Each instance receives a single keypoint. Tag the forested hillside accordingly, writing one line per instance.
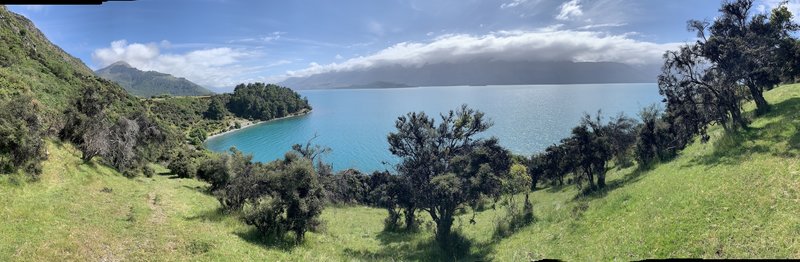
(150, 83)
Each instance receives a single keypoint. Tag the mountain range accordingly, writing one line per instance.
(150, 83)
(479, 72)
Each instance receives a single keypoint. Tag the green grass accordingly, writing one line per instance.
(736, 196)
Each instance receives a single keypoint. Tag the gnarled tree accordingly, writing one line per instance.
(445, 164)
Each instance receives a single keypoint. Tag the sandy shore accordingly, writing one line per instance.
(244, 123)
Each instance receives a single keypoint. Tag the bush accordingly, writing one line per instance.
(149, 171)
(219, 169)
(21, 144)
(278, 197)
(182, 165)
(348, 187)
(197, 136)
(130, 173)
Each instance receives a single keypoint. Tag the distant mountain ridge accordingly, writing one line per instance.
(481, 72)
(150, 83)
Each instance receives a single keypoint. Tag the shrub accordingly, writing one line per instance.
(182, 165)
(219, 169)
(348, 187)
(149, 171)
(21, 144)
(278, 197)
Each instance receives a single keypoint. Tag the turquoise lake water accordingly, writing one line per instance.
(355, 122)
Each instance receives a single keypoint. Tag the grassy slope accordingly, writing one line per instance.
(722, 199)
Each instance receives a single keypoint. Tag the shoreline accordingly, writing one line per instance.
(253, 123)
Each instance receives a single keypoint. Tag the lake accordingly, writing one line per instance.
(354, 123)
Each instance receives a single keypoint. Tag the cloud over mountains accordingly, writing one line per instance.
(547, 44)
(211, 67)
(225, 66)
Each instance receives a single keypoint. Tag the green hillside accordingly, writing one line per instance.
(736, 196)
(150, 83)
(29, 63)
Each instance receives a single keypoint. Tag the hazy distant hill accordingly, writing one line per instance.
(150, 83)
(481, 72)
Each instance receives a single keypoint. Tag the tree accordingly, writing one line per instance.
(216, 109)
(265, 101)
(698, 91)
(654, 140)
(754, 51)
(622, 132)
(445, 164)
(518, 182)
(348, 187)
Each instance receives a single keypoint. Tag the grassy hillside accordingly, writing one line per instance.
(29, 63)
(737, 196)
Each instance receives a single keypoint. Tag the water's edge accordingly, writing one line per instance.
(256, 123)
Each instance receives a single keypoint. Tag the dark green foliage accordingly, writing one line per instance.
(698, 91)
(587, 152)
(148, 171)
(197, 136)
(445, 165)
(393, 193)
(185, 113)
(622, 133)
(736, 58)
(182, 164)
(219, 169)
(150, 83)
(216, 109)
(281, 196)
(753, 50)
(348, 187)
(265, 102)
(21, 144)
(654, 141)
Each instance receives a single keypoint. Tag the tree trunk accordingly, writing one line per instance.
(762, 106)
(601, 179)
(738, 120)
(443, 227)
(411, 223)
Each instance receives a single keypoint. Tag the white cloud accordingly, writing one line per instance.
(211, 67)
(570, 10)
(272, 37)
(587, 27)
(546, 44)
(513, 3)
(338, 57)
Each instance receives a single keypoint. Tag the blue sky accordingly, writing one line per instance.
(218, 43)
